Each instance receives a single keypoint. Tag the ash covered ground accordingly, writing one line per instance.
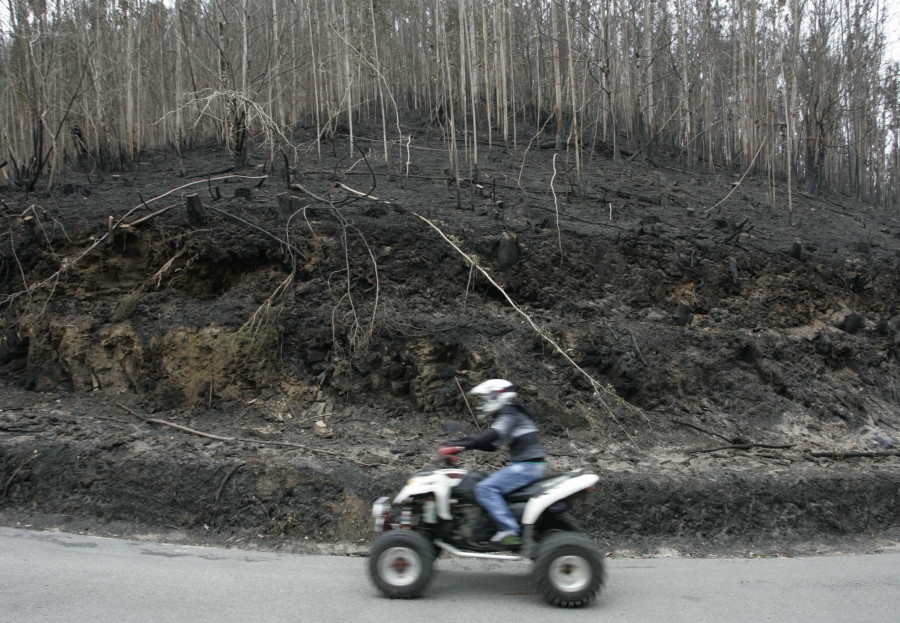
(257, 375)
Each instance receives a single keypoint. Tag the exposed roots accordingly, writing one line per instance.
(351, 329)
(258, 338)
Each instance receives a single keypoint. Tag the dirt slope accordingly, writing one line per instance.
(730, 368)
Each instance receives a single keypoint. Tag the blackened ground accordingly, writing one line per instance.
(728, 366)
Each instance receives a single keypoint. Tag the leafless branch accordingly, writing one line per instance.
(604, 395)
(261, 442)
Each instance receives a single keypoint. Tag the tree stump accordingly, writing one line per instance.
(508, 251)
(287, 206)
(853, 323)
(196, 213)
(683, 315)
(733, 269)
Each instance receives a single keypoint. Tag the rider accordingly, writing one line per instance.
(513, 426)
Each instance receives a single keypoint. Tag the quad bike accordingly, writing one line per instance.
(437, 512)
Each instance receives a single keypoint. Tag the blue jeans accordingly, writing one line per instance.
(490, 491)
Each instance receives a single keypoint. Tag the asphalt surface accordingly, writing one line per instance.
(53, 576)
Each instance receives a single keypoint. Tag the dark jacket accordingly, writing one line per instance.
(513, 426)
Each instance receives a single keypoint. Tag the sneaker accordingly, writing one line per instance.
(506, 538)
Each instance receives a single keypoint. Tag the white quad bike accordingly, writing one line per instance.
(437, 512)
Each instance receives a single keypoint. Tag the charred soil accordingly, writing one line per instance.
(257, 371)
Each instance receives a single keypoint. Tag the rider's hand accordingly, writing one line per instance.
(447, 450)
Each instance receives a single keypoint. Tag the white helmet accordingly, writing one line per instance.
(494, 394)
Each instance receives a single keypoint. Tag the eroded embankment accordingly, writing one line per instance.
(222, 492)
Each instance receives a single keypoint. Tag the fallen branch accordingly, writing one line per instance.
(246, 440)
(185, 429)
(211, 173)
(16, 471)
(169, 192)
(741, 446)
(636, 347)
(259, 229)
(310, 194)
(361, 194)
(737, 232)
(836, 455)
(358, 336)
(149, 216)
(735, 443)
(556, 206)
(599, 390)
(739, 182)
(468, 406)
(222, 486)
(702, 430)
(68, 263)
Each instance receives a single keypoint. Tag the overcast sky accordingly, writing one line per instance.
(892, 30)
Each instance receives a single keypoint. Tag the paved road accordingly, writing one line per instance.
(47, 576)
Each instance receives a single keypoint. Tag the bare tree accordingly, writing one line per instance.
(713, 79)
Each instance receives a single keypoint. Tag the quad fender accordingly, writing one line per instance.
(439, 487)
(542, 501)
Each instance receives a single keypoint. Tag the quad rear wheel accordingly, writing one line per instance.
(568, 570)
(401, 563)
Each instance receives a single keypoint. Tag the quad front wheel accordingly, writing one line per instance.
(401, 563)
(568, 570)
